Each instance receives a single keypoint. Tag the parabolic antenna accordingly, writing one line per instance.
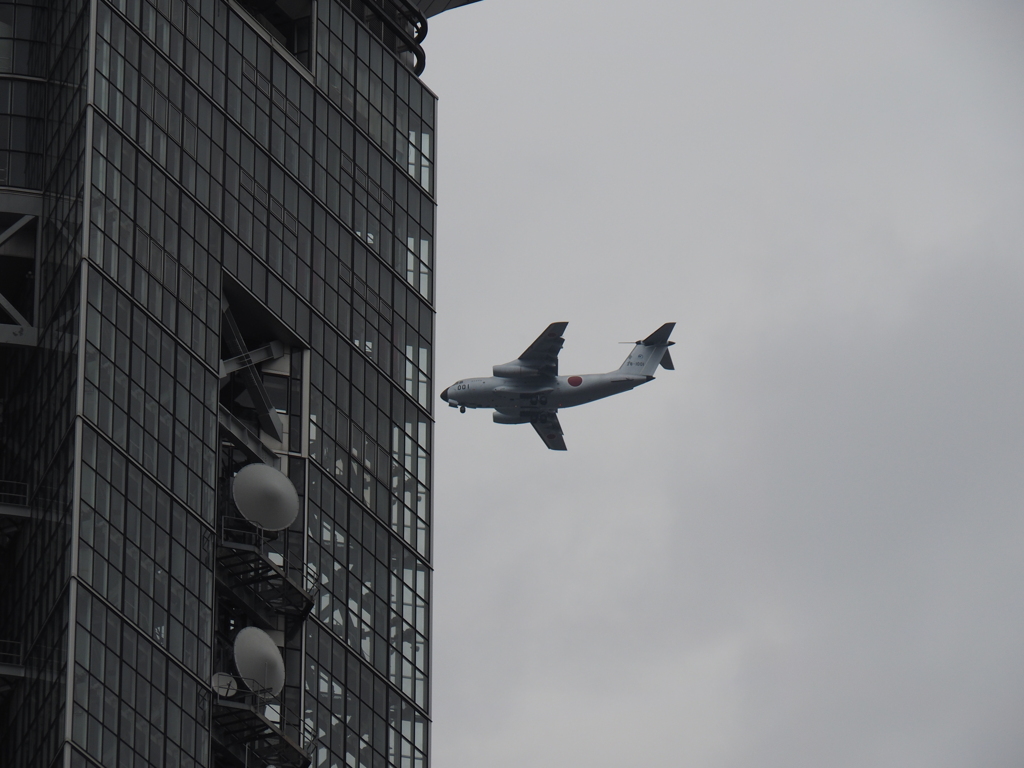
(259, 661)
(224, 685)
(265, 497)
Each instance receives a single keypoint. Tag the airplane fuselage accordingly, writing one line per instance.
(510, 394)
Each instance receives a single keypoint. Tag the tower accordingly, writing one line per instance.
(216, 253)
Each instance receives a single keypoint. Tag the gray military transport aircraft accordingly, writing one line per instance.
(529, 390)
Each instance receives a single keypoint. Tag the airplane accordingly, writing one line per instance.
(529, 390)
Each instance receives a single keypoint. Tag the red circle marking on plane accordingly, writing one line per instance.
(575, 381)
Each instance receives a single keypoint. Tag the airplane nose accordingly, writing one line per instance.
(444, 394)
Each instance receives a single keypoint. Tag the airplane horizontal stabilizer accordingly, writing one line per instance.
(660, 336)
(648, 354)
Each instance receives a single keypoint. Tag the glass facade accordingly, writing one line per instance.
(216, 249)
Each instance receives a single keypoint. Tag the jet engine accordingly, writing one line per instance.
(501, 417)
(513, 370)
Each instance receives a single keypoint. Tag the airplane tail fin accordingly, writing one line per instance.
(648, 354)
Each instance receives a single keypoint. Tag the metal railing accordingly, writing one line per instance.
(238, 530)
(259, 573)
(10, 652)
(13, 492)
(250, 693)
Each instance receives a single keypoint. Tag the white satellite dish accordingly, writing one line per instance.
(265, 497)
(259, 661)
(224, 685)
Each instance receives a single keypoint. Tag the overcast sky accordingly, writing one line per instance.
(804, 547)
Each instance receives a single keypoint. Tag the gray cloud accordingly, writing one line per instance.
(802, 547)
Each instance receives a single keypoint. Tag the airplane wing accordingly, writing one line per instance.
(543, 353)
(550, 431)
